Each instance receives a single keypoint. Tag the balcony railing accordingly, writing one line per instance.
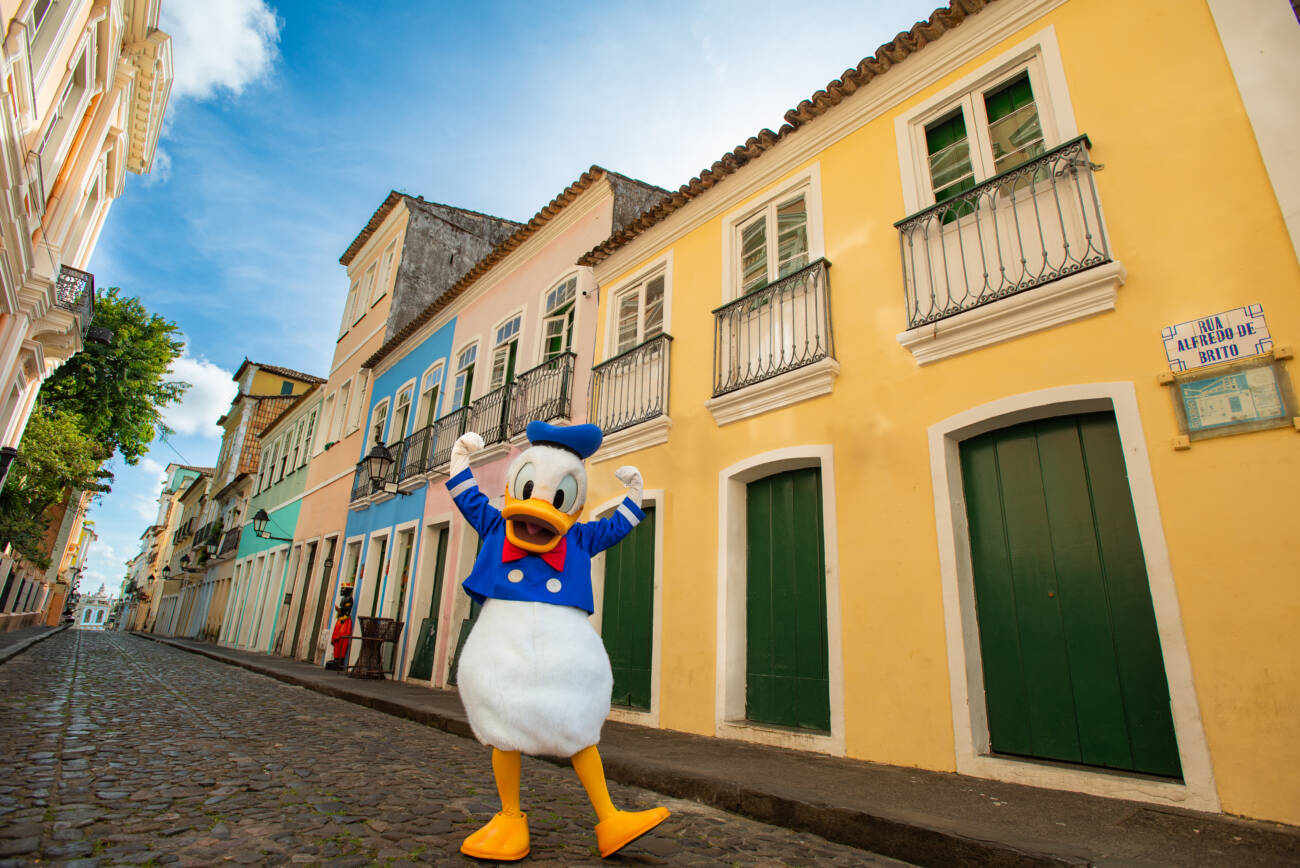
(632, 387)
(230, 541)
(446, 430)
(489, 416)
(778, 328)
(1025, 227)
(415, 454)
(75, 292)
(543, 393)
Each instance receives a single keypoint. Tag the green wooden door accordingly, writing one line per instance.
(627, 614)
(1071, 658)
(425, 639)
(466, 627)
(787, 681)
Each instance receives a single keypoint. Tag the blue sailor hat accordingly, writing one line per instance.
(581, 440)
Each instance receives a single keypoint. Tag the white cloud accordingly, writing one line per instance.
(162, 168)
(219, 44)
(208, 397)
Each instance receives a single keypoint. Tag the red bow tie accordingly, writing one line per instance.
(555, 557)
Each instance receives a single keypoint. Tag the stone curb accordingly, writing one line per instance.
(19, 647)
(899, 839)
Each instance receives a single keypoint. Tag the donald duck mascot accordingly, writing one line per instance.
(534, 675)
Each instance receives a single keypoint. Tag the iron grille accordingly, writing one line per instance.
(1025, 227)
(631, 387)
(774, 329)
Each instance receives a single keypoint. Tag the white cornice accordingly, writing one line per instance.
(801, 384)
(972, 38)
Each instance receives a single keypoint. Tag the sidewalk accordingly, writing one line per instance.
(928, 818)
(16, 642)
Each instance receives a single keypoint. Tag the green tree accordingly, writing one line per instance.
(118, 390)
(55, 457)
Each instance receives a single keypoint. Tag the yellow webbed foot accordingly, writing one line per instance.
(504, 838)
(623, 827)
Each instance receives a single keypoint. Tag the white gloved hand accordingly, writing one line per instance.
(631, 479)
(465, 446)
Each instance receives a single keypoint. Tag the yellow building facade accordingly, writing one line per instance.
(957, 324)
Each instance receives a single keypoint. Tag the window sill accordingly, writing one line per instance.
(653, 432)
(801, 384)
(1076, 297)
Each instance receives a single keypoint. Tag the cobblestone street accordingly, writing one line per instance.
(124, 751)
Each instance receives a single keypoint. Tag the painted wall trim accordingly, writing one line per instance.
(965, 673)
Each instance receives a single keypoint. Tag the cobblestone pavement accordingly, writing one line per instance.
(122, 751)
(15, 637)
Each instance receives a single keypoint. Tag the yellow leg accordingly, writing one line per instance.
(591, 771)
(505, 837)
(505, 767)
(615, 829)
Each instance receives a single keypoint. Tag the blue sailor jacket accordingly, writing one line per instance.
(530, 578)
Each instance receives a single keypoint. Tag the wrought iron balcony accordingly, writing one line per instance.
(490, 416)
(544, 393)
(1025, 227)
(361, 481)
(74, 291)
(415, 454)
(777, 328)
(229, 542)
(631, 387)
(446, 430)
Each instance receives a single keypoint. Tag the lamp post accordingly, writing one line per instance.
(259, 527)
(378, 462)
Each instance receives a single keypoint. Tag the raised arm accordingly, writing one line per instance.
(597, 536)
(472, 503)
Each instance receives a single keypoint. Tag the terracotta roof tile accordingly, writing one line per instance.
(888, 55)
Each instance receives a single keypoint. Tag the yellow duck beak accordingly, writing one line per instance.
(535, 525)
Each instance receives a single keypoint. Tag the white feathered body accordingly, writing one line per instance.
(534, 677)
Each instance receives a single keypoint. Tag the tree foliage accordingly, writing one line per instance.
(118, 390)
(107, 398)
(55, 458)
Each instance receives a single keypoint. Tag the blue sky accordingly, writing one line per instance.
(290, 122)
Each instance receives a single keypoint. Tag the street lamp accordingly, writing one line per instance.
(378, 462)
(259, 527)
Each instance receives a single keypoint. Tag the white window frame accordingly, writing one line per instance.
(361, 398)
(732, 578)
(378, 416)
(342, 406)
(497, 345)
(385, 275)
(363, 295)
(438, 369)
(1041, 57)
(965, 672)
(458, 389)
(579, 290)
(662, 266)
(809, 183)
(308, 436)
(349, 304)
(325, 434)
(395, 433)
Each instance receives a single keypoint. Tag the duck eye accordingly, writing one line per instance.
(566, 494)
(523, 482)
